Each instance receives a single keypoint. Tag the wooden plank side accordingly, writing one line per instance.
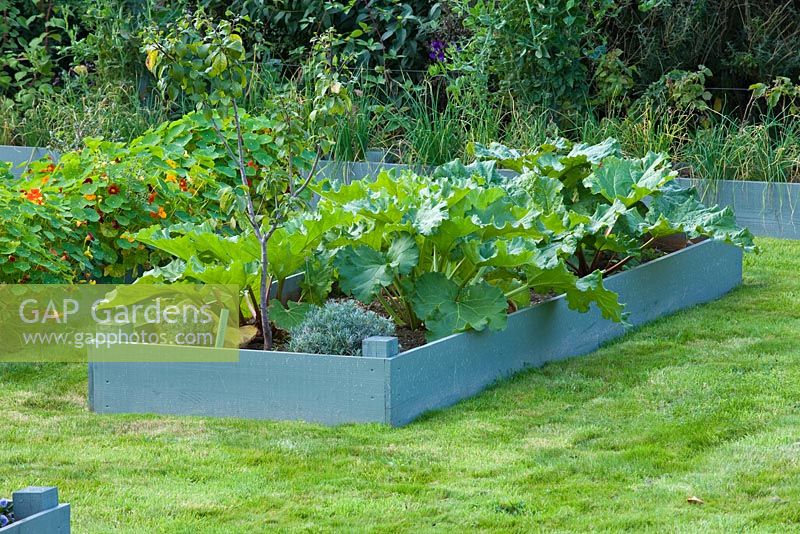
(459, 366)
(262, 385)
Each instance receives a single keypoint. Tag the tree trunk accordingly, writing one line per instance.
(266, 329)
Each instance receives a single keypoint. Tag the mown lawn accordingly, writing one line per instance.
(705, 403)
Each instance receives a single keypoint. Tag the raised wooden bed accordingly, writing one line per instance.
(392, 388)
(37, 511)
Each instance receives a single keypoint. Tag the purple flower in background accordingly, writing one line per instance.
(437, 50)
(3, 520)
(3, 504)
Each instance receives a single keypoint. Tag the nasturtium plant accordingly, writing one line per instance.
(73, 219)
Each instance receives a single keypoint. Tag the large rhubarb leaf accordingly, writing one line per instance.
(580, 292)
(545, 192)
(486, 171)
(427, 217)
(595, 154)
(199, 240)
(507, 253)
(363, 271)
(506, 158)
(290, 316)
(203, 256)
(678, 210)
(238, 273)
(447, 308)
(630, 181)
(293, 243)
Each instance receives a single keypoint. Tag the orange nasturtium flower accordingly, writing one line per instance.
(161, 213)
(171, 163)
(35, 196)
(90, 197)
(171, 178)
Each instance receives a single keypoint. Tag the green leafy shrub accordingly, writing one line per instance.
(741, 41)
(338, 327)
(381, 33)
(533, 48)
(613, 82)
(680, 90)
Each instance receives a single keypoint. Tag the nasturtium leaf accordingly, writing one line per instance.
(88, 188)
(112, 202)
(91, 215)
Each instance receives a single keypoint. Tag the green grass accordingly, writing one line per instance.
(705, 403)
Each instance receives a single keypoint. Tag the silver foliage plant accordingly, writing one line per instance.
(338, 327)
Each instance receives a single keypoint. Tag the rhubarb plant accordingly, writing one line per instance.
(451, 251)
(206, 253)
(604, 212)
